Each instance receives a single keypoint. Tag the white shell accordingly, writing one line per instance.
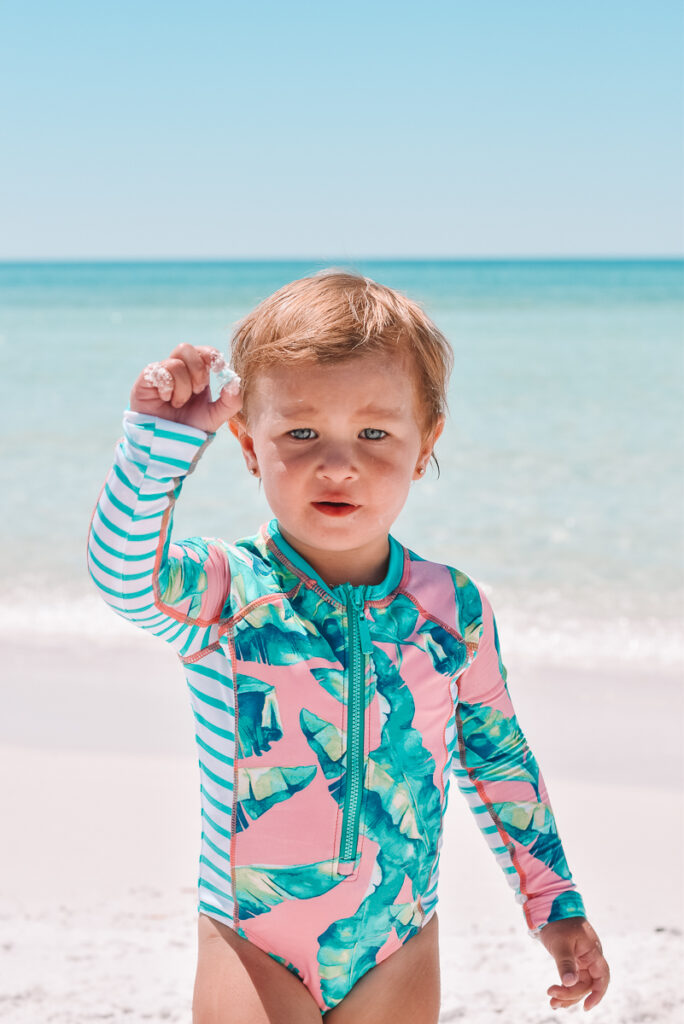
(227, 378)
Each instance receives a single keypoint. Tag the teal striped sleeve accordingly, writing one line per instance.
(174, 590)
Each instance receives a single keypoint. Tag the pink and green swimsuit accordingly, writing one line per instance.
(329, 723)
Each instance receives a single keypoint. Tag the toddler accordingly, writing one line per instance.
(338, 680)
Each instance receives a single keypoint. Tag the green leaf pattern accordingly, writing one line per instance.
(402, 806)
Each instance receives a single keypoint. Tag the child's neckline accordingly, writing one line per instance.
(369, 592)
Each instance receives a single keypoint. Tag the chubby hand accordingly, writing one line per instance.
(576, 948)
(178, 389)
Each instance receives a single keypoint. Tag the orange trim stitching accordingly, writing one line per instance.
(495, 818)
(470, 644)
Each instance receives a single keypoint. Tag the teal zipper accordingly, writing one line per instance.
(360, 644)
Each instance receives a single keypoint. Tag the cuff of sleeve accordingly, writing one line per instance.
(162, 448)
(157, 422)
(567, 904)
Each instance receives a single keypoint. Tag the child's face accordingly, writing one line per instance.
(312, 439)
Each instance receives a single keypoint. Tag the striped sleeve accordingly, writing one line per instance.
(504, 788)
(175, 590)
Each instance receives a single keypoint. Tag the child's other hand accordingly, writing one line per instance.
(182, 392)
(576, 948)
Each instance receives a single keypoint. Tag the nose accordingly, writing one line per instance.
(337, 464)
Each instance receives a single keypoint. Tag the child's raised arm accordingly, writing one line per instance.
(176, 591)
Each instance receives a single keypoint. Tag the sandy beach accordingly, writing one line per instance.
(101, 839)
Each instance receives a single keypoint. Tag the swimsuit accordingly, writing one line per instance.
(329, 721)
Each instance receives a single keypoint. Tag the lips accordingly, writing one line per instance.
(334, 507)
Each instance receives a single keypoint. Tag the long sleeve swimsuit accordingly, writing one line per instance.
(329, 722)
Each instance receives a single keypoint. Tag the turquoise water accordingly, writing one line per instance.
(561, 483)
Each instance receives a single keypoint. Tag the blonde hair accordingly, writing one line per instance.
(334, 315)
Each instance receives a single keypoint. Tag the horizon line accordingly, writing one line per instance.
(575, 258)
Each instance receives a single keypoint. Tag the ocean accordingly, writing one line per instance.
(562, 462)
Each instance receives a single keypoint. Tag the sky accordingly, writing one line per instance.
(210, 129)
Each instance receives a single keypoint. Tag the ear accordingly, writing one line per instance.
(239, 428)
(428, 445)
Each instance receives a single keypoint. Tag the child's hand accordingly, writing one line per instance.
(576, 948)
(180, 391)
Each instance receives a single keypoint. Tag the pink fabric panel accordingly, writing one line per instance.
(217, 569)
(299, 830)
(482, 683)
(516, 791)
(432, 586)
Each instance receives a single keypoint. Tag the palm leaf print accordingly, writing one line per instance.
(469, 606)
(527, 821)
(259, 723)
(395, 622)
(326, 741)
(272, 633)
(182, 576)
(286, 963)
(448, 654)
(332, 680)
(261, 788)
(493, 745)
(262, 886)
(348, 948)
(402, 814)
(395, 799)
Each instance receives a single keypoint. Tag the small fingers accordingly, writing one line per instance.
(593, 987)
(182, 381)
(196, 359)
(600, 979)
(561, 996)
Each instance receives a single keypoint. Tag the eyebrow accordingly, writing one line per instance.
(375, 410)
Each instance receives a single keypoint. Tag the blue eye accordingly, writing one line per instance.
(300, 430)
(303, 430)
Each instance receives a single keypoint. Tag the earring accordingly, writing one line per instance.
(253, 470)
(421, 469)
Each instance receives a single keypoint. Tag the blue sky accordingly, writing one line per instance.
(207, 129)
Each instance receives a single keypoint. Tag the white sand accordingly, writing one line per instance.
(98, 862)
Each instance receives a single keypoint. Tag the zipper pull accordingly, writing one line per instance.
(364, 632)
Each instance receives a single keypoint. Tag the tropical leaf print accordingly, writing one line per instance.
(469, 605)
(449, 655)
(179, 577)
(407, 917)
(395, 799)
(287, 963)
(326, 740)
(332, 680)
(349, 947)
(410, 767)
(271, 633)
(402, 814)
(493, 745)
(262, 886)
(259, 723)
(398, 621)
(246, 582)
(533, 825)
(260, 788)
(394, 623)
(331, 628)
(502, 668)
